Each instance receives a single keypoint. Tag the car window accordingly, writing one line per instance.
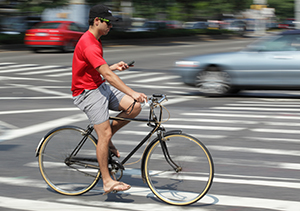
(52, 25)
(74, 27)
(285, 43)
(77, 27)
(277, 43)
(281, 44)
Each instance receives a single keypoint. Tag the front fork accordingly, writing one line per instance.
(166, 153)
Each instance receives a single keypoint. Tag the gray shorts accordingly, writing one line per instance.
(96, 103)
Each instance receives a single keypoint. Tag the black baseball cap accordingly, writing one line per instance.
(101, 11)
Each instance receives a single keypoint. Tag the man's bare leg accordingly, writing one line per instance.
(104, 133)
(125, 103)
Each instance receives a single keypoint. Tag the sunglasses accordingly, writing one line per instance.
(106, 21)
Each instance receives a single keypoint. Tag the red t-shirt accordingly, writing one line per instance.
(88, 55)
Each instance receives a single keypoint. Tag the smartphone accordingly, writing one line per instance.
(130, 63)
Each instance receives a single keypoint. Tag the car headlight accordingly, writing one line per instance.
(186, 64)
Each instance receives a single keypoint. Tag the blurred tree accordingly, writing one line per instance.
(217, 8)
(38, 6)
(283, 9)
(185, 10)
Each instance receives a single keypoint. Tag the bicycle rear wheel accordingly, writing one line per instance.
(193, 176)
(69, 176)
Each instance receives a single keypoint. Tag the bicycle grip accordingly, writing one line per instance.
(157, 95)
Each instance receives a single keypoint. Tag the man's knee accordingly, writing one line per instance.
(138, 108)
(103, 131)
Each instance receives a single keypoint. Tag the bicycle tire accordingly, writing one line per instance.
(194, 179)
(63, 176)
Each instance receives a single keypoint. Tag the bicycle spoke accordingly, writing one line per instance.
(67, 175)
(193, 176)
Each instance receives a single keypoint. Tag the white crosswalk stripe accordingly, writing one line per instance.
(54, 73)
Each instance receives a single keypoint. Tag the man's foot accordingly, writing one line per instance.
(114, 151)
(118, 186)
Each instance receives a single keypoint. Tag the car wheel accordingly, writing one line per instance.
(214, 82)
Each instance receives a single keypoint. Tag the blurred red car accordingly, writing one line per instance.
(289, 23)
(62, 35)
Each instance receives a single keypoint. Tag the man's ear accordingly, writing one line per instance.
(96, 21)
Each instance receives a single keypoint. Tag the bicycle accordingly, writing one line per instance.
(177, 167)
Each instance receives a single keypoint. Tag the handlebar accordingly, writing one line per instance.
(153, 103)
(154, 99)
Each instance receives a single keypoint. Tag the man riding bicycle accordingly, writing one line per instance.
(94, 97)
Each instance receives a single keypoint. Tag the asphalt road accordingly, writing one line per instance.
(253, 137)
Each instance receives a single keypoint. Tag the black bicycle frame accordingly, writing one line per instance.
(155, 126)
(151, 122)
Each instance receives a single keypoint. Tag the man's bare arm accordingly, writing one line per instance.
(115, 81)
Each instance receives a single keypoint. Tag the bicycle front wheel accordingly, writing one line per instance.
(185, 176)
(69, 175)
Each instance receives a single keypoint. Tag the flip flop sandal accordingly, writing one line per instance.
(111, 190)
(112, 149)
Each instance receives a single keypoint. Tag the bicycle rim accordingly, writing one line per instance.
(194, 179)
(69, 178)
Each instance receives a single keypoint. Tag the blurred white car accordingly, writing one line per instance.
(272, 62)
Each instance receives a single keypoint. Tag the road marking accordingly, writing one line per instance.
(214, 121)
(27, 79)
(221, 200)
(6, 125)
(160, 87)
(274, 139)
(29, 68)
(16, 133)
(17, 66)
(289, 124)
(6, 63)
(42, 90)
(272, 101)
(264, 130)
(266, 105)
(35, 98)
(272, 204)
(158, 79)
(271, 115)
(255, 150)
(78, 204)
(130, 132)
(143, 75)
(60, 75)
(197, 127)
(36, 205)
(256, 109)
(46, 71)
(38, 110)
(255, 164)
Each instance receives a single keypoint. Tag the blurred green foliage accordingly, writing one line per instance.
(284, 8)
(182, 10)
